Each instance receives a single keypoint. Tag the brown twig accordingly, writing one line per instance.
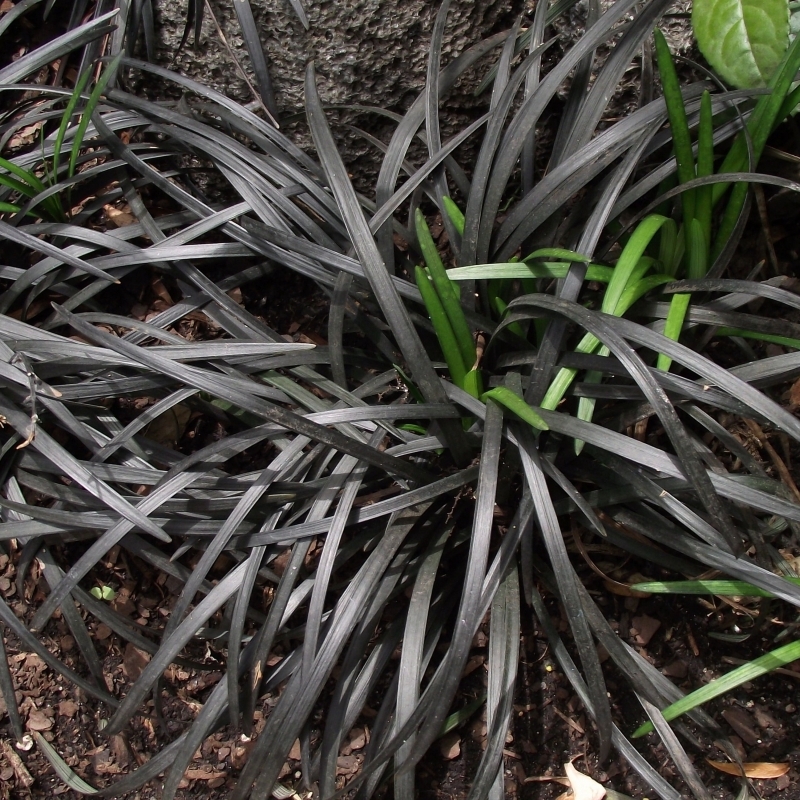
(777, 461)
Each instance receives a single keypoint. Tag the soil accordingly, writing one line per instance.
(550, 725)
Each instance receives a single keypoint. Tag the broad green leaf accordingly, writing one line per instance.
(744, 40)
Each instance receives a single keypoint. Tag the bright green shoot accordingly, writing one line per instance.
(455, 214)
(747, 672)
(696, 204)
(701, 243)
(676, 110)
(784, 341)
(441, 298)
(447, 292)
(67, 118)
(442, 327)
(623, 290)
(513, 402)
(771, 109)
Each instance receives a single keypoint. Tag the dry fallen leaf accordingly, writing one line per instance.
(119, 217)
(752, 769)
(794, 393)
(583, 787)
(134, 661)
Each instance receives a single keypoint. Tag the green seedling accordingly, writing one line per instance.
(103, 593)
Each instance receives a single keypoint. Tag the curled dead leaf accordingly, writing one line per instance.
(752, 769)
(583, 787)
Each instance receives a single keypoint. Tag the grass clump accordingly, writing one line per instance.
(357, 482)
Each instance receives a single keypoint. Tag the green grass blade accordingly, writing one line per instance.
(763, 337)
(501, 306)
(697, 251)
(446, 291)
(720, 588)
(513, 402)
(629, 259)
(558, 253)
(668, 251)
(747, 672)
(765, 116)
(455, 214)
(86, 116)
(565, 376)
(639, 289)
(473, 383)
(673, 326)
(696, 267)
(679, 126)
(704, 195)
(442, 326)
(28, 184)
(67, 117)
(524, 271)
(458, 718)
(61, 768)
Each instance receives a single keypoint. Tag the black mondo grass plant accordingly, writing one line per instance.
(423, 471)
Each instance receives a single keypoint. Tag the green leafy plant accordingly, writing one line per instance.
(744, 40)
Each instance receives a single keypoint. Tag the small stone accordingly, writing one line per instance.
(643, 629)
(39, 721)
(450, 745)
(102, 632)
(676, 669)
(358, 738)
(68, 708)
